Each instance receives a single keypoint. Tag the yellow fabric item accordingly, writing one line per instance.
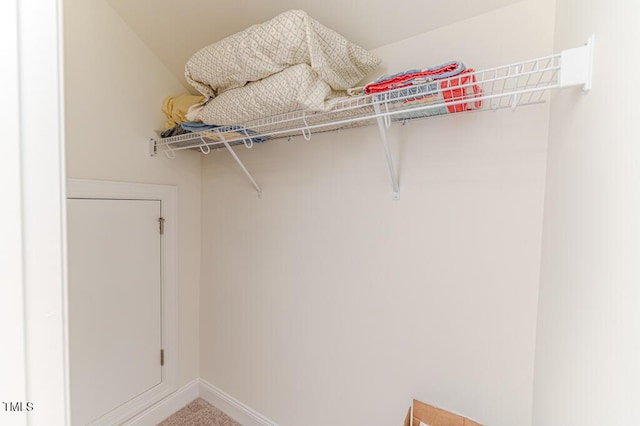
(176, 108)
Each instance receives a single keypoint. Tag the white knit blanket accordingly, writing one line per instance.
(262, 50)
(295, 88)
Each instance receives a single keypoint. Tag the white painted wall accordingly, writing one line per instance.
(114, 92)
(210, 21)
(588, 345)
(326, 302)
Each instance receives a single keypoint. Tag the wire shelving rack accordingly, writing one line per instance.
(504, 87)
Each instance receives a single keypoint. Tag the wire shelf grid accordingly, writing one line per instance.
(508, 86)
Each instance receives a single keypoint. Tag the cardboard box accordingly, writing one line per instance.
(433, 416)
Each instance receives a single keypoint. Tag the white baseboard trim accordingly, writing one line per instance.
(240, 412)
(167, 406)
(232, 407)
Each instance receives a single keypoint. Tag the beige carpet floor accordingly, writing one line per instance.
(199, 413)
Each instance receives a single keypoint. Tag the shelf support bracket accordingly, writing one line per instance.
(576, 66)
(244, 169)
(385, 145)
(153, 147)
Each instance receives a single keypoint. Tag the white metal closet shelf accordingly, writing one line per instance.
(508, 86)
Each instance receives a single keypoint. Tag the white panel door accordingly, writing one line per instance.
(115, 328)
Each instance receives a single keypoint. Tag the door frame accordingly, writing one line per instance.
(34, 353)
(168, 197)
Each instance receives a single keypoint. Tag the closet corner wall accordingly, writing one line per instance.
(327, 290)
(111, 79)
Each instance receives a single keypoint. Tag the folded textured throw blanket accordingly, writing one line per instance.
(262, 50)
(195, 126)
(450, 87)
(414, 77)
(175, 108)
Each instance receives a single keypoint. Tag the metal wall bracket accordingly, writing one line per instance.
(577, 66)
(153, 147)
(383, 122)
(244, 169)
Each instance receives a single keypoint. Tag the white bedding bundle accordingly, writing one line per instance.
(288, 63)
